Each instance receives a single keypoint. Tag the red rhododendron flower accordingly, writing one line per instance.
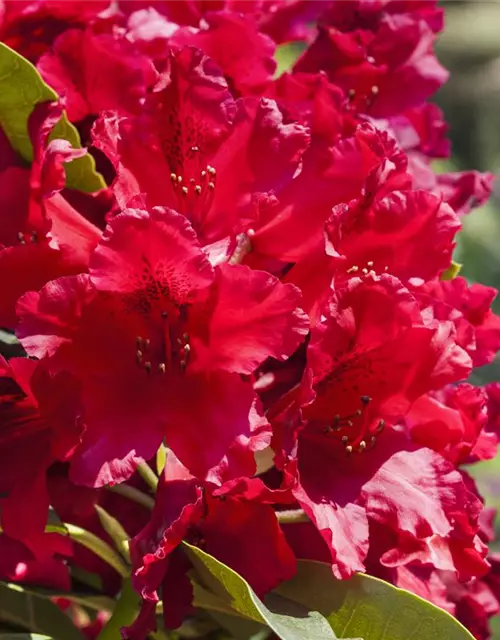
(42, 236)
(234, 522)
(370, 357)
(198, 151)
(156, 324)
(258, 306)
(379, 53)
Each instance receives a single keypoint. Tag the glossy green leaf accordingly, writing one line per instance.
(369, 608)
(21, 89)
(126, 610)
(289, 620)
(452, 271)
(33, 612)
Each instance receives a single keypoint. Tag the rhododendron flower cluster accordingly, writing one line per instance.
(262, 293)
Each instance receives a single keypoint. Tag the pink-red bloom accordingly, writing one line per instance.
(197, 150)
(151, 327)
(369, 358)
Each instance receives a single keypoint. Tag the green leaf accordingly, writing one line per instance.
(369, 608)
(33, 612)
(288, 620)
(124, 614)
(92, 542)
(452, 271)
(21, 89)
(115, 531)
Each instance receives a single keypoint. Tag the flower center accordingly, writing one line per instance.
(358, 431)
(194, 185)
(171, 351)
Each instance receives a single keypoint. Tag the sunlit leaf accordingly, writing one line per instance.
(289, 620)
(369, 608)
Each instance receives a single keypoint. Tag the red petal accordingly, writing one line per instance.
(255, 317)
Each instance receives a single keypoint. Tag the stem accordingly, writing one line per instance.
(134, 494)
(148, 475)
(292, 516)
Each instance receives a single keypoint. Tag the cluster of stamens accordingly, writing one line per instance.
(204, 183)
(368, 270)
(366, 437)
(24, 238)
(368, 99)
(177, 350)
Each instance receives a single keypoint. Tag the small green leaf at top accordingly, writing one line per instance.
(21, 89)
(369, 608)
(288, 619)
(452, 271)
